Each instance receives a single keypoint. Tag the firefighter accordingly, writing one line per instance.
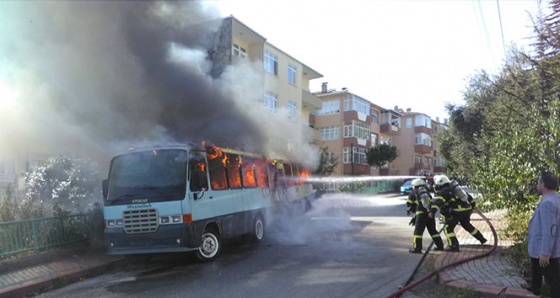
(455, 206)
(419, 202)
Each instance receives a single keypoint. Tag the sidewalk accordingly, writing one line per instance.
(491, 276)
(42, 272)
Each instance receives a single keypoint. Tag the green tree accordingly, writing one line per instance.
(65, 184)
(327, 162)
(381, 155)
(7, 205)
(507, 131)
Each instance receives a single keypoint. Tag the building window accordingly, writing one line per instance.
(292, 74)
(270, 101)
(355, 103)
(418, 159)
(422, 120)
(439, 162)
(329, 107)
(375, 117)
(356, 129)
(359, 155)
(270, 63)
(423, 139)
(385, 141)
(239, 51)
(292, 109)
(330, 133)
(373, 139)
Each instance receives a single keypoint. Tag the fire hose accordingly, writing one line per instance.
(409, 286)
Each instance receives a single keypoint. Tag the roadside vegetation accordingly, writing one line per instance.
(508, 130)
(58, 187)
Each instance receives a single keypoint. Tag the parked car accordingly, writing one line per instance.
(406, 187)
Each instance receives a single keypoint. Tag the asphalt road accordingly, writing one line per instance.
(346, 246)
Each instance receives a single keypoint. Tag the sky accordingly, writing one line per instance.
(412, 54)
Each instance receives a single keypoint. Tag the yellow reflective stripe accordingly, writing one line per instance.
(436, 236)
(417, 236)
(435, 207)
(474, 232)
(450, 235)
(419, 212)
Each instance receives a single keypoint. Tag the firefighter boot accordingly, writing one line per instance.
(438, 242)
(478, 235)
(453, 244)
(417, 249)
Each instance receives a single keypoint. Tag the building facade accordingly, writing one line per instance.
(285, 80)
(349, 126)
(417, 145)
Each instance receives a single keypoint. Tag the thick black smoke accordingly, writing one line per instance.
(91, 78)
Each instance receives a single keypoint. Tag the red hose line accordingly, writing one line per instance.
(428, 276)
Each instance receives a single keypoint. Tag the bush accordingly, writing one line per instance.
(352, 187)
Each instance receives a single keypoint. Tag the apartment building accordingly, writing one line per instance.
(440, 166)
(349, 126)
(417, 145)
(285, 80)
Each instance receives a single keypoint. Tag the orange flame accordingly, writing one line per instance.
(233, 167)
(217, 167)
(261, 173)
(249, 174)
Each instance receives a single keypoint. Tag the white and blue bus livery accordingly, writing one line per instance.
(190, 198)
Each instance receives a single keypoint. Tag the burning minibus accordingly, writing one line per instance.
(191, 198)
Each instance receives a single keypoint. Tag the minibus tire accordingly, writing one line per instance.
(210, 246)
(258, 228)
(257, 231)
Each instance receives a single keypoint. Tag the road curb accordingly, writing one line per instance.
(58, 279)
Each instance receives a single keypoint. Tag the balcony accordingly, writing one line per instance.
(389, 129)
(312, 135)
(422, 149)
(421, 167)
(310, 101)
(440, 169)
(422, 129)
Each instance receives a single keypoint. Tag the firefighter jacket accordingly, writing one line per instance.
(446, 202)
(418, 204)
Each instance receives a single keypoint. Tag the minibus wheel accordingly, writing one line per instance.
(210, 246)
(258, 229)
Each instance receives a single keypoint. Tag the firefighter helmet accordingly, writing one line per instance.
(418, 182)
(441, 180)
